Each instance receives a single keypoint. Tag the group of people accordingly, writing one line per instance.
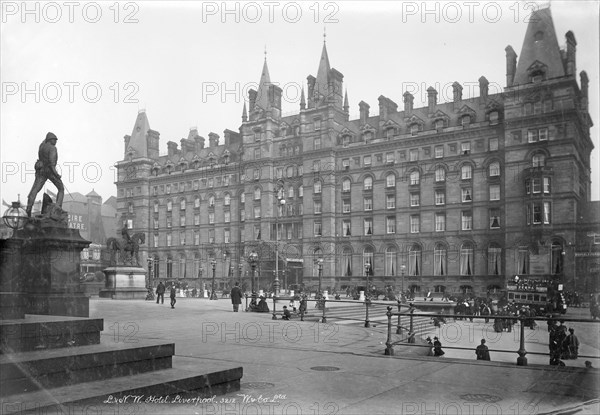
(435, 347)
(562, 346)
(160, 294)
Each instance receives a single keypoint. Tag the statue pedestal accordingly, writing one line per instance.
(40, 271)
(125, 283)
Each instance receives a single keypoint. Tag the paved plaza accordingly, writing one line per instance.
(339, 367)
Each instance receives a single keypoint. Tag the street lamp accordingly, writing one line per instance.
(15, 216)
(213, 263)
(367, 272)
(240, 269)
(402, 269)
(280, 208)
(253, 259)
(320, 265)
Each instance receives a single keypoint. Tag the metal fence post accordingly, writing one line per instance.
(389, 349)
(411, 333)
(367, 322)
(399, 328)
(522, 360)
(324, 319)
(246, 295)
(274, 311)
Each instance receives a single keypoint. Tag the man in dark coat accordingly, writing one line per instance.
(572, 343)
(236, 297)
(173, 295)
(482, 351)
(45, 169)
(160, 293)
(437, 347)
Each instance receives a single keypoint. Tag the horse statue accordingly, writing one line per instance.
(128, 250)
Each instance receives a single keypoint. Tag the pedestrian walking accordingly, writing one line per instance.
(430, 349)
(236, 297)
(160, 293)
(437, 347)
(173, 295)
(572, 343)
(482, 351)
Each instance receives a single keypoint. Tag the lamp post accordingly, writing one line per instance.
(223, 268)
(15, 216)
(367, 272)
(402, 270)
(320, 265)
(280, 208)
(240, 269)
(253, 259)
(213, 263)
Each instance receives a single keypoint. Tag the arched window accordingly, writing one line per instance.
(291, 191)
(494, 169)
(368, 183)
(368, 262)
(346, 185)
(317, 187)
(523, 260)
(182, 267)
(466, 172)
(414, 177)
(557, 258)
(169, 205)
(440, 174)
(414, 260)
(538, 160)
(211, 201)
(156, 206)
(227, 199)
(440, 256)
(169, 267)
(390, 261)
(182, 204)
(197, 202)
(347, 262)
(257, 193)
(466, 259)
(390, 180)
(494, 259)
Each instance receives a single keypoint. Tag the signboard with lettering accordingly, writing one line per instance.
(539, 264)
(77, 221)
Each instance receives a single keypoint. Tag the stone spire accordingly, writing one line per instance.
(302, 100)
(540, 53)
(346, 106)
(137, 143)
(322, 82)
(262, 99)
(244, 113)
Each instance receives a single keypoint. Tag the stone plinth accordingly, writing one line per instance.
(40, 271)
(125, 283)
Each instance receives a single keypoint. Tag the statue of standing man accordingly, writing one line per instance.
(45, 169)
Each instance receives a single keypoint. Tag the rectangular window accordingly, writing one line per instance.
(196, 219)
(346, 228)
(546, 185)
(415, 224)
(181, 238)
(413, 154)
(169, 239)
(465, 148)
(390, 201)
(467, 221)
(440, 222)
(546, 212)
(390, 158)
(537, 213)
(169, 221)
(257, 232)
(211, 236)
(345, 206)
(256, 212)
(211, 182)
(543, 134)
(368, 203)
(317, 126)
(168, 189)
(155, 242)
(317, 187)
(196, 238)
(537, 185)
(466, 194)
(495, 192)
(440, 174)
(182, 220)
(226, 236)
(493, 144)
(414, 199)
(317, 143)
(368, 226)
(155, 190)
(466, 172)
(440, 197)
(532, 136)
(317, 165)
(227, 216)
(318, 231)
(242, 215)
(211, 217)
(367, 161)
(494, 218)
(390, 224)
(346, 164)
(317, 207)
(439, 152)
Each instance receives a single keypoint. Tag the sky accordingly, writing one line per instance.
(83, 70)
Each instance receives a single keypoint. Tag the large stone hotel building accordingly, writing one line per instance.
(455, 196)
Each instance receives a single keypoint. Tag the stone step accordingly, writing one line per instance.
(48, 332)
(29, 371)
(189, 378)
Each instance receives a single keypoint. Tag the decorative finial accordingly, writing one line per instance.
(324, 34)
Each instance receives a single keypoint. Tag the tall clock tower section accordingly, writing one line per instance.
(134, 172)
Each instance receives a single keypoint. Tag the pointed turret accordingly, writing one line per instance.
(262, 99)
(136, 144)
(540, 55)
(244, 113)
(322, 82)
(346, 106)
(302, 100)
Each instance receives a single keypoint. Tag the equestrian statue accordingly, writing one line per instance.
(127, 248)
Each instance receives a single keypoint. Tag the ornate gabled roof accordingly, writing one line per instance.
(367, 127)
(391, 123)
(440, 114)
(465, 109)
(414, 119)
(540, 47)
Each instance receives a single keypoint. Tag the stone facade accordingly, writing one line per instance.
(454, 196)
